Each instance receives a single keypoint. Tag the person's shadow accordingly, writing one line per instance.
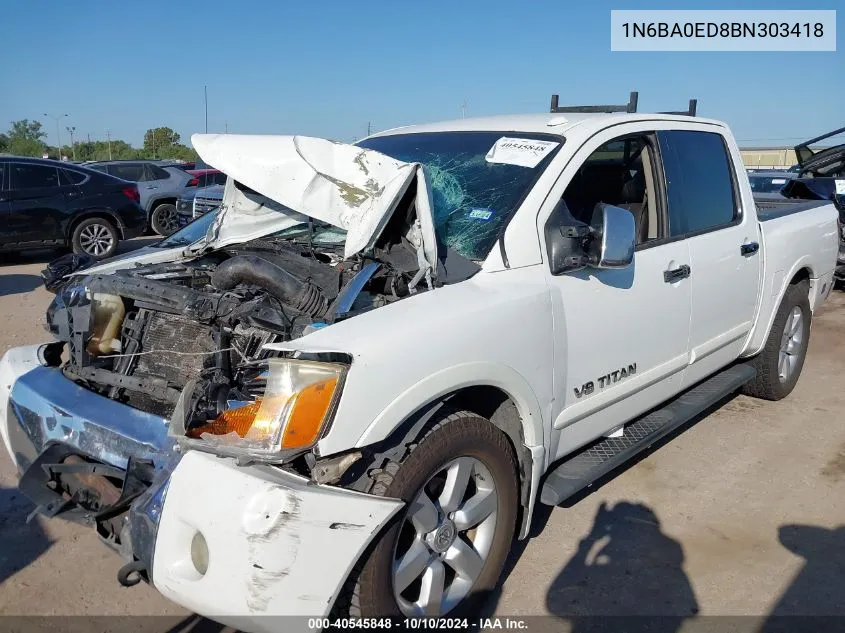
(816, 596)
(20, 542)
(625, 567)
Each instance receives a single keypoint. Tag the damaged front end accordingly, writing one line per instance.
(186, 341)
(154, 359)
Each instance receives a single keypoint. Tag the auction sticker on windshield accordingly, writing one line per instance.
(840, 187)
(523, 152)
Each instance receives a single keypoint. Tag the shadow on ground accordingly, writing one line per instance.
(16, 284)
(819, 587)
(20, 542)
(625, 566)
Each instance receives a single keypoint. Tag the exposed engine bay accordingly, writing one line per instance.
(192, 333)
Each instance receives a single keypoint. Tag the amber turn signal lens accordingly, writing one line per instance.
(294, 409)
(309, 411)
(232, 420)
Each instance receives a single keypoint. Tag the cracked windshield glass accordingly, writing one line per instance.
(472, 196)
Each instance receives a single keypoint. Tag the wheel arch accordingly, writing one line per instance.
(802, 270)
(507, 404)
(165, 199)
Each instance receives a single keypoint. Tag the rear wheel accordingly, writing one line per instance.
(95, 237)
(780, 363)
(447, 550)
(165, 219)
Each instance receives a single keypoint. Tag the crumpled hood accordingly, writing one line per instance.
(350, 187)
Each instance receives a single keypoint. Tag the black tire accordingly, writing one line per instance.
(165, 219)
(96, 237)
(369, 590)
(769, 384)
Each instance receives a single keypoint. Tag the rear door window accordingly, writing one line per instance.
(699, 181)
(133, 172)
(155, 172)
(2, 176)
(70, 177)
(34, 176)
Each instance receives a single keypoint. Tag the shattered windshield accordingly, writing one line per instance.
(472, 195)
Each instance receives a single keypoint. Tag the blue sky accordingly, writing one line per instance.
(328, 68)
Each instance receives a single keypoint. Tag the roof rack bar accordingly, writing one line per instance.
(690, 111)
(631, 106)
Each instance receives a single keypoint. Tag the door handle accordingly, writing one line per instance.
(151, 187)
(676, 274)
(749, 248)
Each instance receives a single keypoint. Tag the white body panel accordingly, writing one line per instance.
(509, 316)
(277, 544)
(146, 255)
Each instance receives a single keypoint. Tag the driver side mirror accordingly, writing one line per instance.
(607, 242)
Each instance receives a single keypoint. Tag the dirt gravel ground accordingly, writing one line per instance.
(743, 513)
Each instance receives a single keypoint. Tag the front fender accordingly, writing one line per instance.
(492, 330)
(448, 380)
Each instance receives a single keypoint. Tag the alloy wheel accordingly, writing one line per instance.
(791, 344)
(96, 239)
(445, 538)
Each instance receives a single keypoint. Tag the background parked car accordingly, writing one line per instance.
(194, 203)
(159, 185)
(44, 204)
(208, 177)
(767, 184)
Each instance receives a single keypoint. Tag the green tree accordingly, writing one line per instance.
(26, 129)
(25, 138)
(160, 142)
(4, 143)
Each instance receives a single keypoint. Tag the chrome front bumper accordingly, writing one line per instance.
(44, 417)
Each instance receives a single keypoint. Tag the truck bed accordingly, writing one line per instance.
(771, 208)
(795, 235)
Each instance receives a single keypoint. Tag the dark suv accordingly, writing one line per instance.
(45, 203)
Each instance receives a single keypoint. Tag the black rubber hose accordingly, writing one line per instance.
(302, 296)
(131, 574)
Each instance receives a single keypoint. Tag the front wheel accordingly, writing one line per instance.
(780, 363)
(165, 219)
(447, 550)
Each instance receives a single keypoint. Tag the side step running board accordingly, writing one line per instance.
(600, 458)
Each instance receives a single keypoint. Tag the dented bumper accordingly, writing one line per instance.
(236, 544)
(277, 544)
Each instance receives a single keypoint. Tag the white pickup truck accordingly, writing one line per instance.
(343, 392)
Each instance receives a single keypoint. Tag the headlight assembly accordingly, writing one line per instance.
(291, 402)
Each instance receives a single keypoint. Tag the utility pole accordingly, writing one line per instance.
(58, 134)
(71, 129)
(205, 88)
(369, 128)
(464, 109)
(108, 136)
(227, 127)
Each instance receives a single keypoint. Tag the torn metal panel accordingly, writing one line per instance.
(349, 187)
